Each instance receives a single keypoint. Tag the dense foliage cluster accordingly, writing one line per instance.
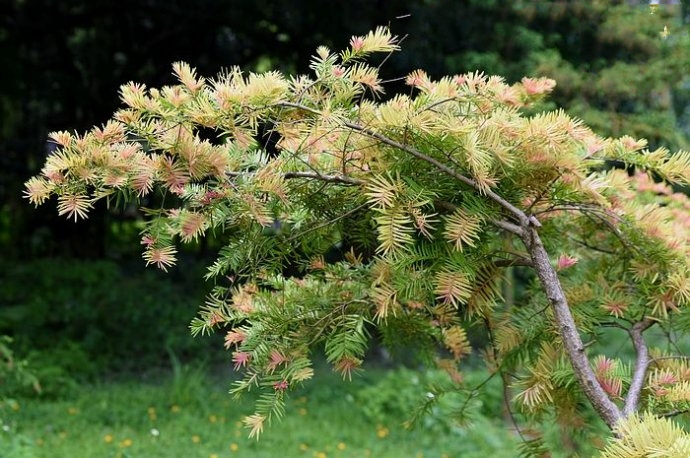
(428, 200)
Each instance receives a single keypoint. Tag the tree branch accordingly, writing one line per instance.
(505, 225)
(662, 358)
(674, 413)
(299, 106)
(327, 223)
(574, 347)
(641, 364)
(514, 262)
(327, 178)
(313, 176)
(516, 212)
(526, 229)
(509, 227)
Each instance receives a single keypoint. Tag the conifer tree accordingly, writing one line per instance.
(621, 65)
(431, 196)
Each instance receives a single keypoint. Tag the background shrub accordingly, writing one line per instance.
(78, 318)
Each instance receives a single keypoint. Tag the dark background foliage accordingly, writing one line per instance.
(82, 285)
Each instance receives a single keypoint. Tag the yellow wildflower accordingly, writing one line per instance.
(382, 432)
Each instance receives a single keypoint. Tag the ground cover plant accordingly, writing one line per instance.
(192, 415)
(344, 217)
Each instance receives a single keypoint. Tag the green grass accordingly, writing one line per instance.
(191, 415)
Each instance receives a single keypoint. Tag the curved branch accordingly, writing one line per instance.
(641, 364)
(574, 347)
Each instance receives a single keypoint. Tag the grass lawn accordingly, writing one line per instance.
(191, 415)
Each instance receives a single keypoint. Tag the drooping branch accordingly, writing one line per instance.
(574, 347)
(641, 364)
(572, 341)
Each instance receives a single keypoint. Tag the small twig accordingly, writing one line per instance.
(674, 413)
(327, 178)
(514, 262)
(661, 358)
(509, 409)
(385, 59)
(505, 225)
(543, 192)
(504, 379)
(327, 223)
(591, 247)
(641, 364)
(299, 106)
(311, 175)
